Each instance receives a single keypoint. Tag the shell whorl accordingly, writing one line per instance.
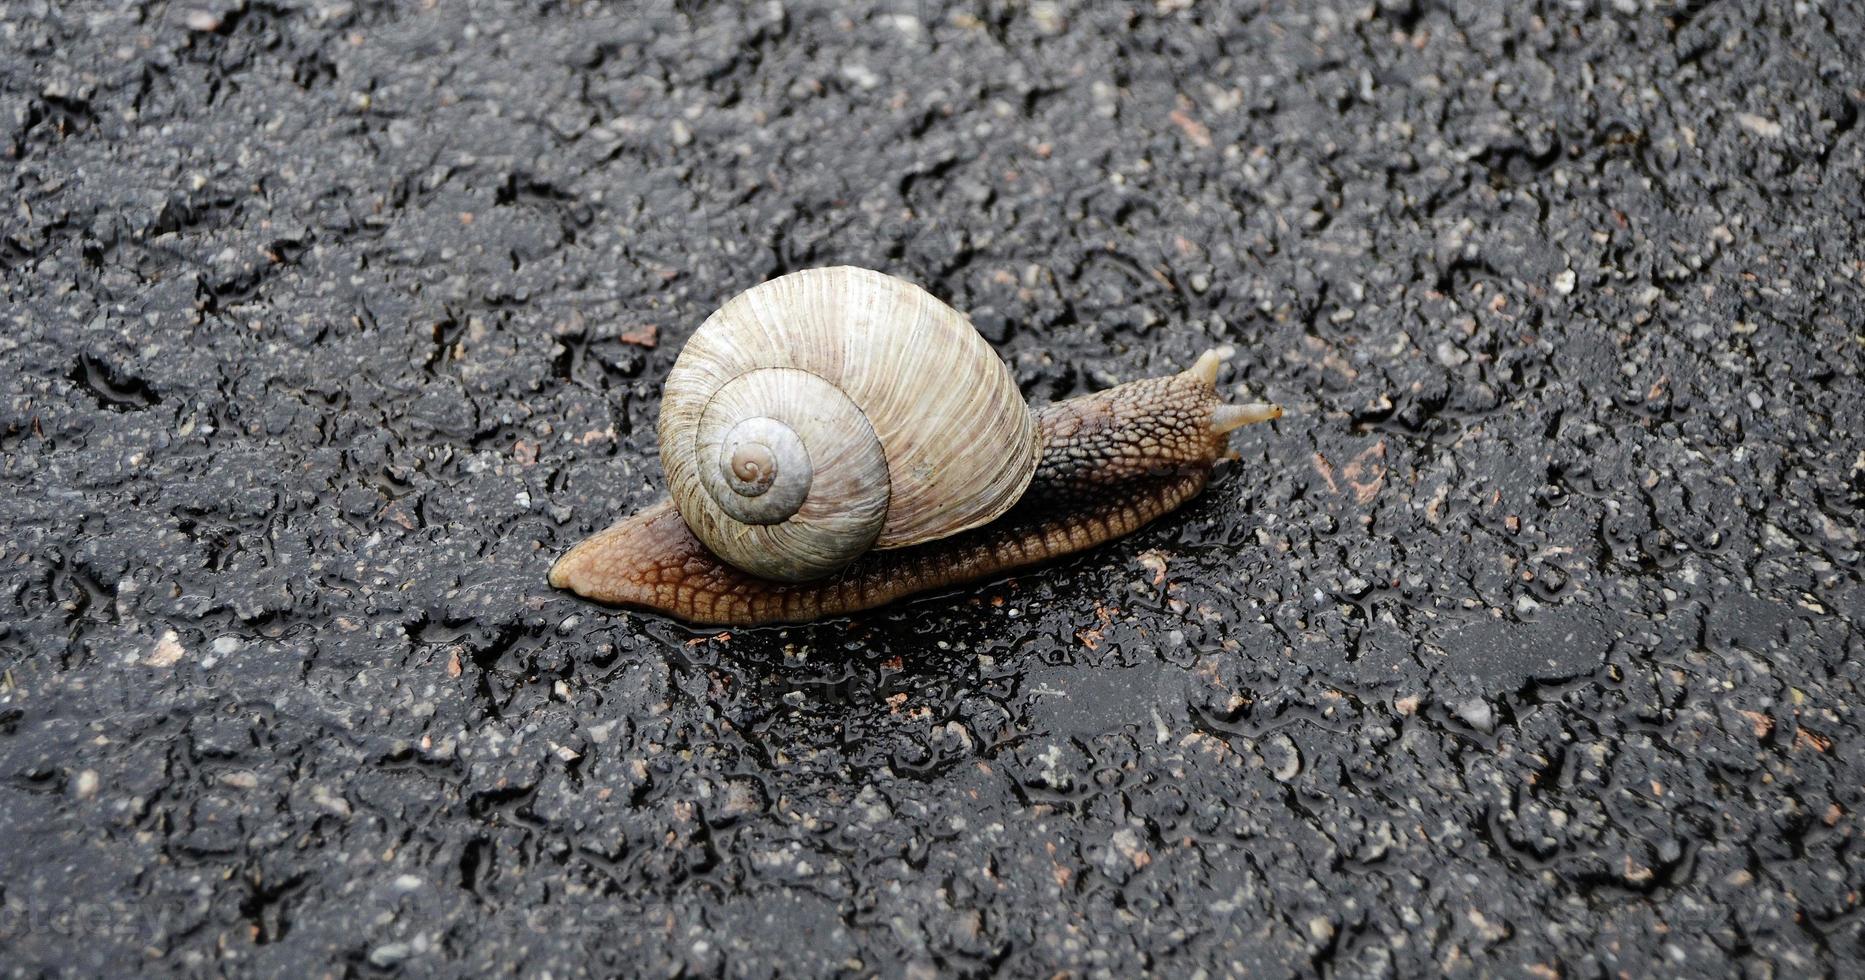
(830, 411)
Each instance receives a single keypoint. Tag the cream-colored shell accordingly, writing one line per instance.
(913, 427)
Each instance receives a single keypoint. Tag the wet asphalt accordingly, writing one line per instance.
(1528, 644)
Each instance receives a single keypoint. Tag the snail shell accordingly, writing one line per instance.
(831, 411)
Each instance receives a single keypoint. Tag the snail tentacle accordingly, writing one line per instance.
(1224, 418)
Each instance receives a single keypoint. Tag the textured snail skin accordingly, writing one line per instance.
(1111, 462)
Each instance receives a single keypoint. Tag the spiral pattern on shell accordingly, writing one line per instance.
(830, 411)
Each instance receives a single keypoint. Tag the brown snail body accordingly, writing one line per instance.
(1101, 466)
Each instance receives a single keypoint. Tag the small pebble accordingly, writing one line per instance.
(389, 954)
(1477, 713)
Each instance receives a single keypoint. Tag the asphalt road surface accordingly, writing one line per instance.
(1528, 644)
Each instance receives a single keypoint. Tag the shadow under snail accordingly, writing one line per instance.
(837, 439)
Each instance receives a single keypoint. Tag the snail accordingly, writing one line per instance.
(836, 439)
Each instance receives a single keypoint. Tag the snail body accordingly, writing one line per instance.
(837, 439)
